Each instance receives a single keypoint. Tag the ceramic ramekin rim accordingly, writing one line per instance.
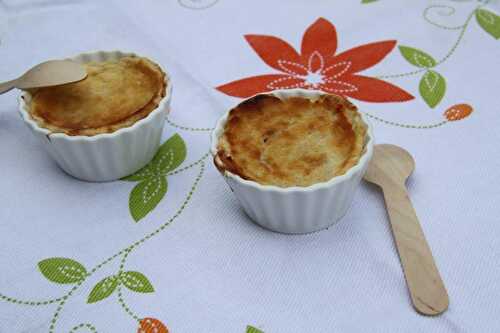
(23, 106)
(356, 169)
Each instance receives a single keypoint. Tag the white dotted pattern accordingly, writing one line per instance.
(346, 64)
(283, 64)
(71, 272)
(316, 56)
(348, 86)
(297, 80)
(279, 83)
(147, 194)
(421, 60)
(169, 157)
(431, 85)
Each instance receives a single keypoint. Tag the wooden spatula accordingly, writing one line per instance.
(389, 169)
(50, 73)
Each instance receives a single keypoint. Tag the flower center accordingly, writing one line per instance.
(313, 78)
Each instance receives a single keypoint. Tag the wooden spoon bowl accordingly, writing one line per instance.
(46, 74)
(389, 163)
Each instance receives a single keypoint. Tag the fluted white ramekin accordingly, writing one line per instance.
(107, 156)
(297, 210)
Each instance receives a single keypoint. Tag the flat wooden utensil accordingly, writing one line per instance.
(389, 169)
(50, 73)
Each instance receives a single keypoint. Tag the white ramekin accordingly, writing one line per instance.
(108, 156)
(297, 210)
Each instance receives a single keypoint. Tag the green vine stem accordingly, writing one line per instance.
(394, 76)
(463, 28)
(179, 211)
(449, 12)
(193, 129)
(125, 306)
(189, 166)
(119, 288)
(127, 250)
(31, 303)
(406, 125)
(124, 259)
(459, 39)
(90, 327)
(53, 321)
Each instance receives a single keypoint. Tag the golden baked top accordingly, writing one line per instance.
(291, 142)
(114, 95)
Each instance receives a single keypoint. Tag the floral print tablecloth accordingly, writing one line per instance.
(168, 249)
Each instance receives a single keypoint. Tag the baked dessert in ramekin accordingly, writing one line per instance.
(106, 126)
(293, 157)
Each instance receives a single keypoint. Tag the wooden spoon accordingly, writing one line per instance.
(389, 169)
(50, 73)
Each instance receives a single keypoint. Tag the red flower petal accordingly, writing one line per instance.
(250, 86)
(321, 36)
(375, 90)
(336, 70)
(272, 50)
(151, 325)
(365, 56)
(292, 68)
(316, 62)
(338, 87)
(287, 82)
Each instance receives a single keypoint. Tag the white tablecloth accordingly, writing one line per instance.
(208, 268)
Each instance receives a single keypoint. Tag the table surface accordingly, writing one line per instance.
(75, 256)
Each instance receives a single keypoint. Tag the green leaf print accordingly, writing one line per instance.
(251, 329)
(489, 21)
(142, 174)
(136, 281)
(417, 57)
(170, 155)
(103, 289)
(368, 1)
(146, 195)
(432, 88)
(62, 270)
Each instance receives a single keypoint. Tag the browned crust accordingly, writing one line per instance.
(127, 121)
(291, 142)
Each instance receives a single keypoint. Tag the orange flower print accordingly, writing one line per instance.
(151, 325)
(317, 67)
(458, 112)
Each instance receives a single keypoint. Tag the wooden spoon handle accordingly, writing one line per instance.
(6, 86)
(427, 290)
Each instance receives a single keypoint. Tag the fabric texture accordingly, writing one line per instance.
(169, 248)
